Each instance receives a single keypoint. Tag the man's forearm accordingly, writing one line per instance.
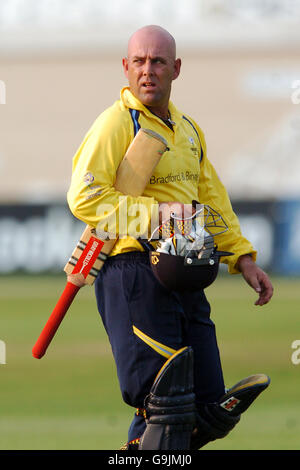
(244, 261)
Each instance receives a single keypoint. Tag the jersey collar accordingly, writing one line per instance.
(130, 101)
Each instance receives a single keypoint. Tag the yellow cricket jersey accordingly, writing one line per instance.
(183, 174)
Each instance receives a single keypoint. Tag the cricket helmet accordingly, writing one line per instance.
(187, 258)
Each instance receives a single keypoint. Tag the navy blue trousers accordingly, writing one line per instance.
(131, 300)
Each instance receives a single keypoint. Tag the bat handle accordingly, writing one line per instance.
(55, 319)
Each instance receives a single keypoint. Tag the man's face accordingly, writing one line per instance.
(150, 68)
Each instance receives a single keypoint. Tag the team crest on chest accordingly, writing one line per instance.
(193, 147)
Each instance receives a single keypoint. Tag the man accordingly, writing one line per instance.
(145, 323)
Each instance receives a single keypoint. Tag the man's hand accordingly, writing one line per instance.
(180, 210)
(256, 278)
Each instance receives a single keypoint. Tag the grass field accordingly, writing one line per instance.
(70, 398)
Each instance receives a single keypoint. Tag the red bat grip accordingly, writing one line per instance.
(55, 320)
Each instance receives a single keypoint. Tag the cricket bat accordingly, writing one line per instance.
(89, 255)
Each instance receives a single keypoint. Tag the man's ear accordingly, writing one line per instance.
(177, 67)
(125, 66)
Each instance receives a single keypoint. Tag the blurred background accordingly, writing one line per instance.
(60, 67)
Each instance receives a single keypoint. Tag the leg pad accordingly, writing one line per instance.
(170, 406)
(216, 420)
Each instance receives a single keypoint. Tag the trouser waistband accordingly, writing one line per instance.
(129, 256)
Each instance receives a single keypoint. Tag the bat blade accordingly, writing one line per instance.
(132, 177)
(87, 259)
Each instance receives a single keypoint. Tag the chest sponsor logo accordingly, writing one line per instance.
(173, 178)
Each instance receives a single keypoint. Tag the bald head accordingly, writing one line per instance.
(151, 66)
(152, 35)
